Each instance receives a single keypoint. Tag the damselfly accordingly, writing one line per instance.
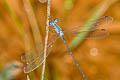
(95, 33)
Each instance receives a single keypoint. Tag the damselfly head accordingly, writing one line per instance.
(56, 20)
(51, 23)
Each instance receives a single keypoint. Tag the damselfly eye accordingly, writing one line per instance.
(50, 23)
(56, 20)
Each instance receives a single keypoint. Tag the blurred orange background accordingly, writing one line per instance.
(102, 65)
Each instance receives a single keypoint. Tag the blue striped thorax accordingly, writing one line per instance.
(56, 27)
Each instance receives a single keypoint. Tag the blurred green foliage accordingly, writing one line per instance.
(6, 73)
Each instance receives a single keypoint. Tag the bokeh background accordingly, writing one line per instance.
(19, 18)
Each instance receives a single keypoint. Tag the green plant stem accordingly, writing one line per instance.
(19, 26)
(68, 4)
(101, 8)
(15, 18)
(46, 38)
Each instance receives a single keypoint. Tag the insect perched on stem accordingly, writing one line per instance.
(94, 33)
